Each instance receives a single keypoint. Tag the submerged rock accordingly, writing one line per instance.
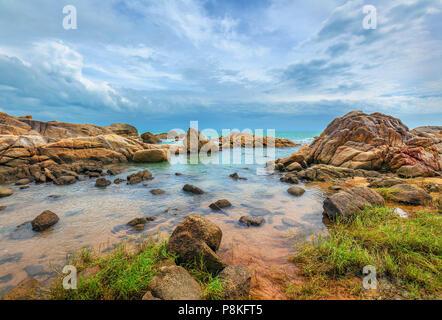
(138, 221)
(296, 191)
(220, 204)
(174, 283)
(251, 221)
(45, 220)
(138, 177)
(102, 183)
(235, 176)
(28, 289)
(64, 180)
(157, 192)
(192, 189)
(119, 180)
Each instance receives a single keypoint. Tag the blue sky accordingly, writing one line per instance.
(289, 65)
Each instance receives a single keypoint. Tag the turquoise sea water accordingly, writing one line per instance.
(97, 217)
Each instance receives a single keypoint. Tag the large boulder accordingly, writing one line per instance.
(375, 142)
(351, 201)
(123, 129)
(45, 220)
(197, 239)
(174, 283)
(408, 194)
(194, 141)
(236, 282)
(152, 155)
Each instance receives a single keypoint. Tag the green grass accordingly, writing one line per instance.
(125, 274)
(407, 253)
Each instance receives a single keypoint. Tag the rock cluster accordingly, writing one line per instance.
(46, 151)
(371, 142)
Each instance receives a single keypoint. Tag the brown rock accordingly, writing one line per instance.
(251, 221)
(139, 177)
(5, 192)
(296, 191)
(64, 180)
(408, 194)
(45, 220)
(151, 155)
(157, 192)
(148, 296)
(148, 137)
(174, 283)
(102, 183)
(220, 204)
(123, 129)
(192, 189)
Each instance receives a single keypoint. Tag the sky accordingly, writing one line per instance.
(271, 64)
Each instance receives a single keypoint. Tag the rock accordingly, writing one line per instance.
(54, 196)
(148, 137)
(138, 221)
(114, 171)
(295, 166)
(251, 221)
(89, 272)
(289, 178)
(192, 189)
(174, 283)
(148, 296)
(45, 220)
(194, 141)
(235, 176)
(65, 180)
(24, 187)
(102, 183)
(401, 213)
(236, 282)
(408, 171)
(28, 289)
(119, 180)
(375, 142)
(93, 174)
(296, 191)
(139, 177)
(22, 182)
(157, 192)
(347, 202)
(385, 183)
(197, 238)
(202, 229)
(123, 129)
(5, 192)
(178, 174)
(2, 208)
(139, 227)
(152, 155)
(432, 187)
(405, 193)
(220, 204)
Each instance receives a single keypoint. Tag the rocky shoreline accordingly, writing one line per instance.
(376, 148)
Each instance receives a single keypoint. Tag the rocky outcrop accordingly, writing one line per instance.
(248, 140)
(371, 142)
(123, 129)
(196, 239)
(35, 150)
(351, 201)
(45, 220)
(174, 283)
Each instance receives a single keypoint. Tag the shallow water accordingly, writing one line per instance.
(96, 217)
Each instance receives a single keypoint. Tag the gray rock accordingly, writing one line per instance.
(251, 221)
(405, 193)
(157, 192)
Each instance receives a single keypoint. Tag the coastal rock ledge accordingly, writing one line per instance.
(379, 142)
